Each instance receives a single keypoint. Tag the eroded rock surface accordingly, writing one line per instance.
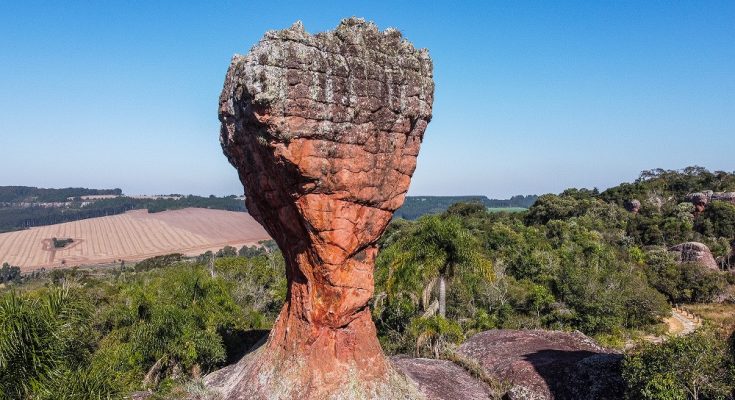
(442, 379)
(695, 252)
(543, 365)
(724, 196)
(324, 131)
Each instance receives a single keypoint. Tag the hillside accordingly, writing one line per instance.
(521, 289)
(134, 235)
(24, 207)
(416, 206)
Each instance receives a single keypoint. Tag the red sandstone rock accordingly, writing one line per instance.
(324, 132)
(543, 365)
(695, 252)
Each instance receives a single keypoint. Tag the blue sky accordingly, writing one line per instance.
(531, 97)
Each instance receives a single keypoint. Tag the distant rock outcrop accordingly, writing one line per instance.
(699, 200)
(633, 206)
(695, 252)
(724, 196)
(324, 131)
(542, 365)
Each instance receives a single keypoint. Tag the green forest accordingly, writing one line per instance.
(581, 260)
(416, 206)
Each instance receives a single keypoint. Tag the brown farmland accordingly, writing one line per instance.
(132, 236)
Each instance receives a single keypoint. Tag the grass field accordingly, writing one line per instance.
(721, 315)
(131, 236)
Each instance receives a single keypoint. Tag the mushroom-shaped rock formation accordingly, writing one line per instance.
(696, 253)
(633, 206)
(699, 200)
(324, 131)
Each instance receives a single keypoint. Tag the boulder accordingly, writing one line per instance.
(724, 196)
(442, 379)
(542, 365)
(324, 131)
(695, 252)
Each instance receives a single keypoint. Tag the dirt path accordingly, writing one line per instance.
(680, 323)
(684, 324)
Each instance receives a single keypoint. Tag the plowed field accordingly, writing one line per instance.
(132, 236)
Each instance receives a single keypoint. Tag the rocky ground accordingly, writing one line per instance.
(516, 365)
(526, 364)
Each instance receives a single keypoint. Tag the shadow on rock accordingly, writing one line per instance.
(239, 343)
(542, 365)
(576, 374)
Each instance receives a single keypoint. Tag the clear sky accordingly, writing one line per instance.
(531, 97)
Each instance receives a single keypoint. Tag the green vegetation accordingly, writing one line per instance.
(683, 283)
(416, 206)
(574, 261)
(506, 272)
(18, 194)
(79, 335)
(506, 209)
(9, 273)
(577, 260)
(697, 366)
(61, 243)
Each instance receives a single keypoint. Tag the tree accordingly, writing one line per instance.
(42, 340)
(227, 251)
(696, 366)
(9, 273)
(433, 252)
(722, 217)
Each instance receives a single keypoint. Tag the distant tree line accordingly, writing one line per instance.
(416, 206)
(16, 218)
(18, 194)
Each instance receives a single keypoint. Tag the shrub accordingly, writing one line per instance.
(696, 366)
(43, 341)
(683, 283)
(61, 243)
(9, 273)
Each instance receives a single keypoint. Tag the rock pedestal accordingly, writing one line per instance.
(324, 132)
(633, 206)
(699, 200)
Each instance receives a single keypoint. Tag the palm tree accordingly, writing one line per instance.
(41, 338)
(434, 251)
